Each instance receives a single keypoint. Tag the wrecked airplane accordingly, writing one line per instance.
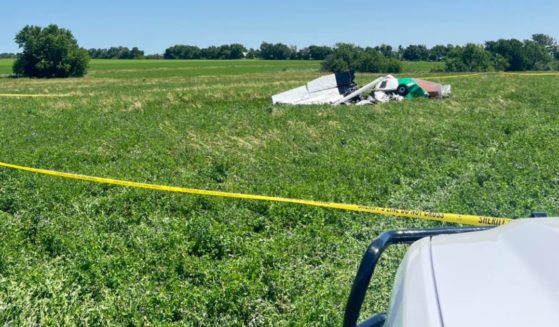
(340, 88)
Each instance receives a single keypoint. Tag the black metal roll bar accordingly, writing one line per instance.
(370, 260)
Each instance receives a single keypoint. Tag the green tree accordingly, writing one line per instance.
(547, 42)
(182, 52)
(278, 51)
(415, 53)
(251, 54)
(136, 53)
(319, 52)
(237, 51)
(293, 53)
(528, 55)
(439, 52)
(470, 58)
(392, 65)
(348, 57)
(224, 52)
(304, 54)
(49, 52)
(344, 58)
(400, 52)
(538, 57)
(386, 50)
(513, 50)
(370, 61)
(211, 52)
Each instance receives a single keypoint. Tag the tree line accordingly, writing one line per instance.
(267, 51)
(228, 51)
(116, 53)
(54, 52)
(541, 52)
(7, 55)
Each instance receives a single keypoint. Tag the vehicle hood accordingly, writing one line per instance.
(506, 276)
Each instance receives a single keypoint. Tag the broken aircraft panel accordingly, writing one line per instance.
(323, 90)
(340, 88)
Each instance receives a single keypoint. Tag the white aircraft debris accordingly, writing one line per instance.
(337, 89)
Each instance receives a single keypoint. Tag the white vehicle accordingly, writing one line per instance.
(501, 276)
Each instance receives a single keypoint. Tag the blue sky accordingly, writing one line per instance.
(155, 25)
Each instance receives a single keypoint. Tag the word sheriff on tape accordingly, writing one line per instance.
(424, 215)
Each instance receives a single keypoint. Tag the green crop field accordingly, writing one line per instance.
(6, 66)
(79, 253)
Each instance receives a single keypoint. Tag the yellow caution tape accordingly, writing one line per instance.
(454, 76)
(495, 74)
(425, 215)
(532, 74)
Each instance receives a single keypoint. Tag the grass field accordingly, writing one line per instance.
(216, 68)
(73, 252)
